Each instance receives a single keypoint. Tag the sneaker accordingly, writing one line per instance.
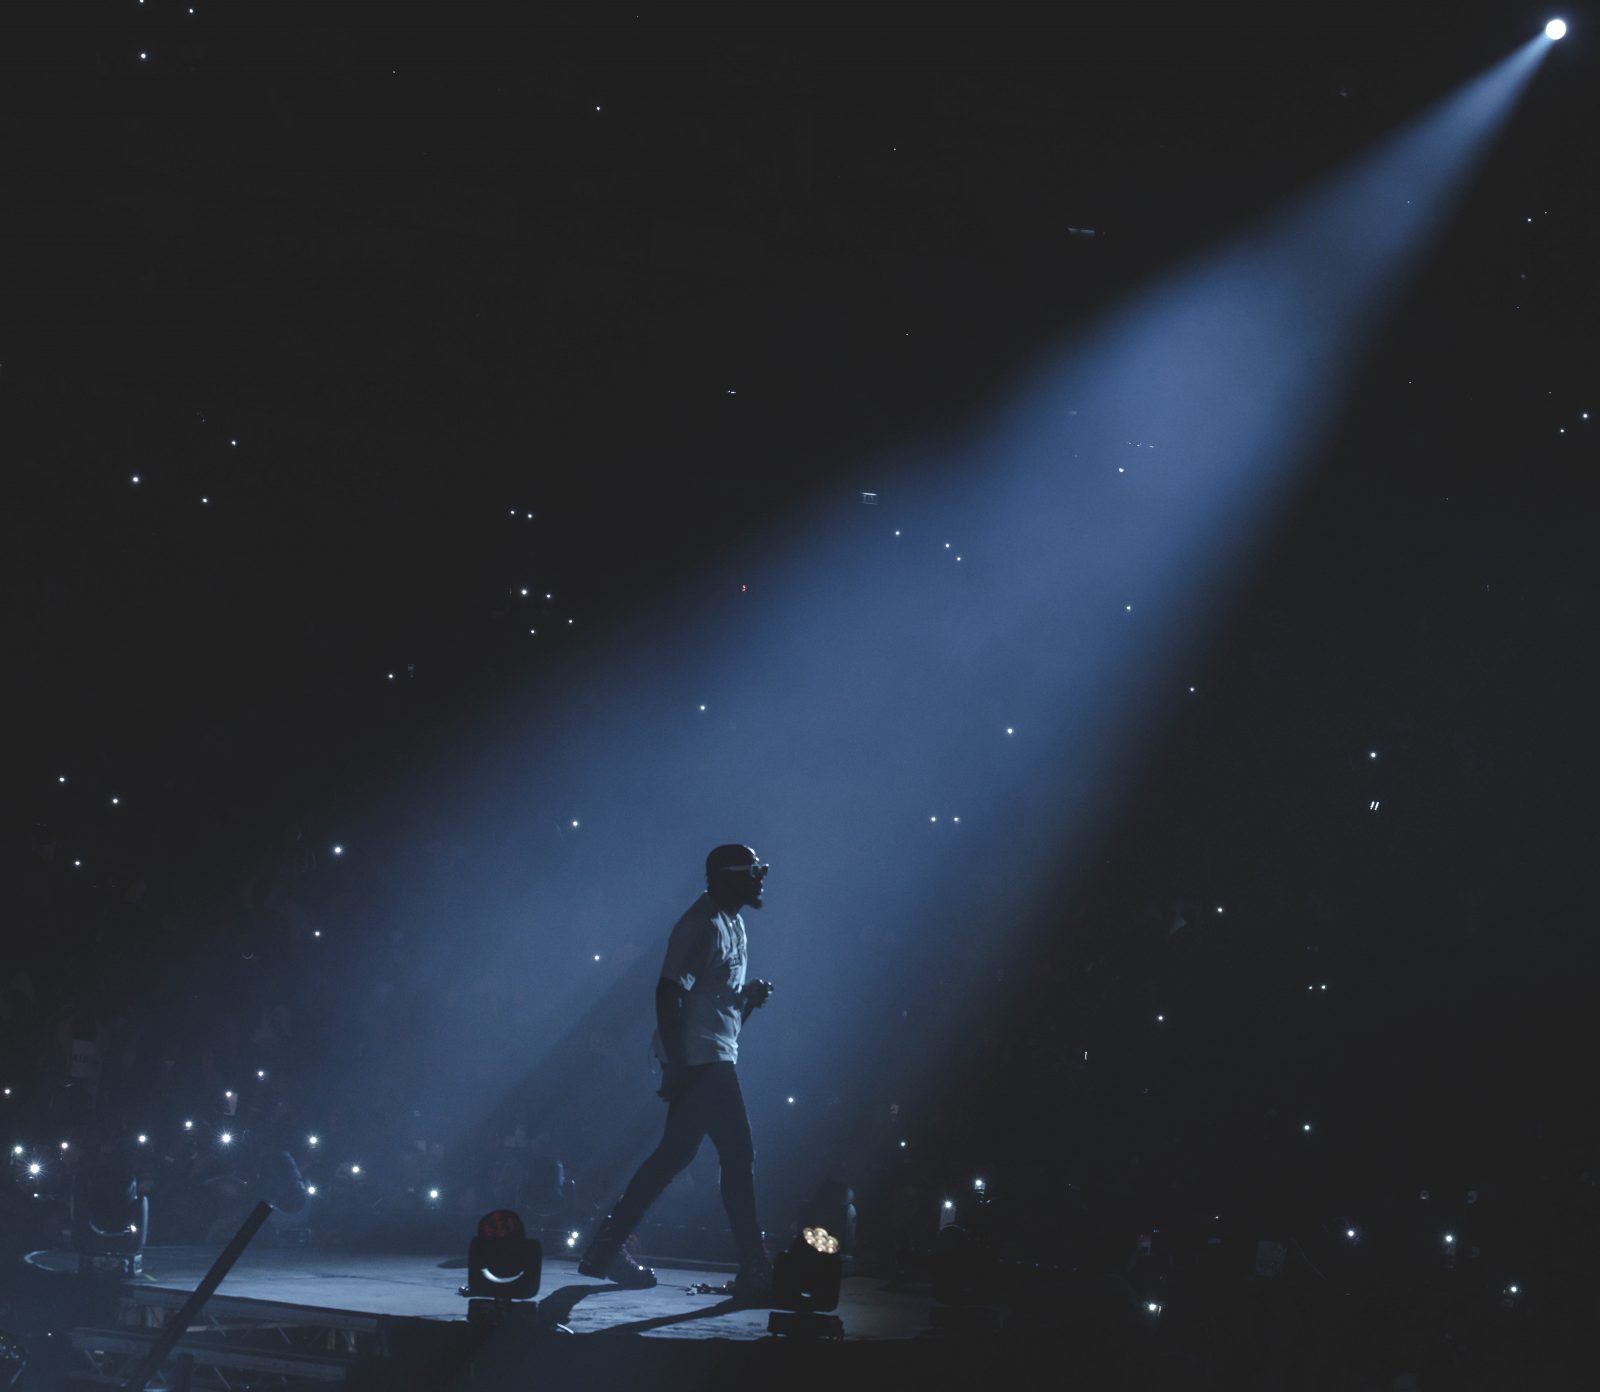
(753, 1285)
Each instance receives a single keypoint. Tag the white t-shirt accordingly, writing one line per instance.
(706, 956)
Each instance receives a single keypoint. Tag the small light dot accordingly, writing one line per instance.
(702, 707)
(791, 1101)
(338, 850)
(574, 822)
(597, 956)
(136, 478)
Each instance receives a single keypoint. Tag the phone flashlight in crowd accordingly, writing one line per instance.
(226, 1138)
(313, 1142)
(355, 1169)
(980, 1187)
(433, 1196)
(572, 1239)
(143, 1139)
(188, 1126)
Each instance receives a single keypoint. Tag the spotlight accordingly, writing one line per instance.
(1556, 29)
(503, 1262)
(355, 1169)
(311, 1188)
(572, 1239)
(226, 1138)
(188, 1126)
(433, 1196)
(805, 1282)
(109, 1219)
(142, 1139)
(16, 1150)
(35, 1168)
(313, 1142)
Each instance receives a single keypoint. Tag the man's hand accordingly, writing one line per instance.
(755, 996)
(674, 1078)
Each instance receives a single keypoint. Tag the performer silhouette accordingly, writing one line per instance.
(702, 1001)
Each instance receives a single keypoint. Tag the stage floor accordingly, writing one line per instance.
(422, 1287)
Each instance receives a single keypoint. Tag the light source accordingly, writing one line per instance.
(805, 1282)
(109, 1219)
(503, 1262)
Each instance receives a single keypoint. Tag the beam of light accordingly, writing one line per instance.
(869, 689)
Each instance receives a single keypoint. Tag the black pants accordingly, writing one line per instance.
(709, 1105)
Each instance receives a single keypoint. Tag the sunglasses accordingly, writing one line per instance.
(755, 872)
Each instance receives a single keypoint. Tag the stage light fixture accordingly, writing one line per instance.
(503, 1263)
(109, 1220)
(1556, 29)
(805, 1284)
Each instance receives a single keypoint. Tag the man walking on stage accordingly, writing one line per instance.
(701, 1003)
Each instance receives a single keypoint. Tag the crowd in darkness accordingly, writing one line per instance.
(137, 1000)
